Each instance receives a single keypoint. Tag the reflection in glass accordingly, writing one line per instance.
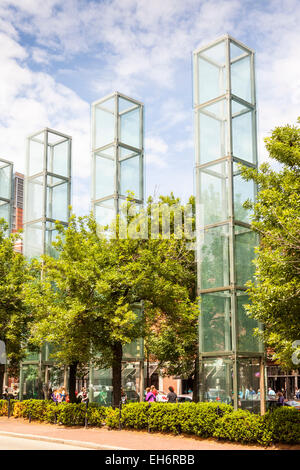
(58, 158)
(214, 265)
(217, 380)
(249, 385)
(243, 190)
(130, 176)
(35, 199)
(130, 128)
(211, 73)
(242, 132)
(215, 329)
(5, 211)
(5, 180)
(36, 154)
(57, 199)
(213, 186)
(105, 174)
(104, 127)
(213, 132)
(245, 242)
(246, 341)
(241, 79)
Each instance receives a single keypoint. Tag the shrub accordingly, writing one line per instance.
(283, 425)
(242, 426)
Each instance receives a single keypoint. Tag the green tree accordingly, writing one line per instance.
(274, 294)
(14, 317)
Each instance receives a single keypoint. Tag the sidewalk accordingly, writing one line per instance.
(105, 439)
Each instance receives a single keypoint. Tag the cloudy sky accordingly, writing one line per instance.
(59, 56)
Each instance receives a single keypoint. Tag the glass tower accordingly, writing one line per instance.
(117, 154)
(47, 201)
(6, 191)
(47, 189)
(231, 358)
(118, 168)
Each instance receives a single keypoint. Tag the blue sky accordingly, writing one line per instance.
(58, 57)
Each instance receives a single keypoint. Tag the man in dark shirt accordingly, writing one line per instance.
(172, 397)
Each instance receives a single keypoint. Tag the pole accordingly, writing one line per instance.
(262, 387)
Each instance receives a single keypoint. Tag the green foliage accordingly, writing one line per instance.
(283, 424)
(241, 426)
(275, 293)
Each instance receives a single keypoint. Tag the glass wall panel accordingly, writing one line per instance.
(214, 254)
(130, 176)
(32, 386)
(58, 158)
(130, 128)
(35, 199)
(33, 240)
(50, 237)
(104, 127)
(105, 176)
(5, 180)
(36, 154)
(211, 73)
(243, 190)
(57, 199)
(5, 211)
(105, 212)
(102, 386)
(213, 184)
(241, 78)
(131, 381)
(212, 132)
(248, 385)
(245, 242)
(246, 341)
(217, 380)
(215, 322)
(242, 132)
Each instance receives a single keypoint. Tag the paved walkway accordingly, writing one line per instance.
(103, 438)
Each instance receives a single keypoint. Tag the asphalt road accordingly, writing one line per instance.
(17, 443)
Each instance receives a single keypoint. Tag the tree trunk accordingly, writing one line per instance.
(2, 371)
(117, 373)
(196, 379)
(72, 381)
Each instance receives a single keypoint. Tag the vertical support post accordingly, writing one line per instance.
(262, 386)
(142, 378)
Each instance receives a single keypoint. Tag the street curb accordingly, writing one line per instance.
(88, 445)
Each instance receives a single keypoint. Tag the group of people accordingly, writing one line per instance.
(13, 393)
(60, 395)
(151, 394)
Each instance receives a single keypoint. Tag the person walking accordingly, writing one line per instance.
(150, 397)
(154, 391)
(172, 397)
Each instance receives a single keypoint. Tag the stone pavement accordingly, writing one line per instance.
(105, 439)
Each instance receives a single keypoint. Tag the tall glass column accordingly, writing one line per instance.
(47, 189)
(117, 154)
(6, 191)
(47, 201)
(231, 358)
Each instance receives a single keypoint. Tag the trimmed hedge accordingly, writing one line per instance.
(201, 419)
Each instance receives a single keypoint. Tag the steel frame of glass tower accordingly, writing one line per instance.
(6, 191)
(117, 167)
(47, 201)
(231, 358)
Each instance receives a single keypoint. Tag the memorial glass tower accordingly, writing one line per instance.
(231, 357)
(6, 191)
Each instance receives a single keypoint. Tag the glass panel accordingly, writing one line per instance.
(32, 386)
(130, 128)
(214, 258)
(36, 154)
(5, 211)
(242, 132)
(133, 350)
(217, 381)
(248, 385)
(102, 386)
(50, 237)
(104, 127)
(57, 199)
(130, 176)
(245, 242)
(5, 180)
(125, 105)
(214, 193)
(105, 212)
(131, 381)
(104, 177)
(241, 79)
(243, 190)
(126, 153)
(213, 132)
(211, 73)
(33, 246)
(108, 105)
(246, 341)
(35, 199)
(236, 51)
(215, 322)
(58, 158)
